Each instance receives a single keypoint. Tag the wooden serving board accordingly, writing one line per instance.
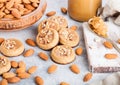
(96, 50)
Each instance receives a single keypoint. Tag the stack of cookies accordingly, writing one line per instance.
(54, 31)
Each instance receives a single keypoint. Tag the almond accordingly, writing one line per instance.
(3, 1)
(35, 4)
(29, 7)
(87, 77)
(64, 83)
(3, 82)
(39, 80)
(14, 64)
(2, 14)
(51, 13)
(9, 4)
(35, 1)
(26, 1)
(52, 69)
(79, 51)
(1, 40)
(28, 53)
(111, 56)
(9, 75)
(118, 41)
(30, 42)
(43, 56)
(16, 13)
(22, 64)
(1, 5)
(74, 68)
(73, 27)
(20, 70)
(32, 69)
(24, 75)
(6, 11)
(108, 44)
(13, 80)
(64, 10)
(10, 16)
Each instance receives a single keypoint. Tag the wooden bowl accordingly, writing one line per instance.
(24, 21)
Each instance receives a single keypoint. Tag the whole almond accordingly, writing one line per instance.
(20, 70)
(64, 83)
(24, 75)
(6, 11)
(1, 40)
(32, 69)
(13, 80)
(10, 16)
(3, 82)
(30, 42)
(73, 27)
(52, 69)
(21, 64)
(108, 44)
(9, 4)
(79, 51)
(39, 80)
(35, 1)
(35, 4)
(118, 41)
(1, 5)
(14, 64)
(9, 75)
(64, 10)
(29, 7)
(43, 56)
(16, 13)
(51, 13)
(28, 53)
(87, 77)
(74, 68)
(111, 56)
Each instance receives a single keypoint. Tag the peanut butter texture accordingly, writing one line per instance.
(83, 10)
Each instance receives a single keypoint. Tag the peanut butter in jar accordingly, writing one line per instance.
(83, 10)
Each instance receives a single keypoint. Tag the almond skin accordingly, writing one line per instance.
(39, 80)
(13, 80)
(52, 69)
(111, 56)
(32, 69)
(9, 75)
(79, 51)
(108, 45)
(30, 42)
(43, 56)
(51, 13)
(73, 27)
(28, 53)
(3, 82)
(1, 40)
(14, 64)
(64, 10)
(24, 75)
(87, 77)
(74, 68)
(64, 83)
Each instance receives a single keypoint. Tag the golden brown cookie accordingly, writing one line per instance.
(63, 54)
(69, 37)
(47, 38)
(11, 47)
(48, 24)
(60, 19)
(5, 64)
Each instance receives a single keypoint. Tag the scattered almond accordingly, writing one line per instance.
(13, 80)
(118, 41)
(22, 64)
(30, 42)
(3, 82)
(28, 53)
(74, 68)
(51, 13)
(52, 69)
(43, 56)
(108, 44)
(73, 27)
(14, 64)
(39, 80)
(64, 10)
(111, 56)
(9, 75)
(1, 40)
(79, 51)
(87, 77)
(64, 83)
(32, 69)
(20, 70)
(24, 75)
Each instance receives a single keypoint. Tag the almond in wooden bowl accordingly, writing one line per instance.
(18, 22)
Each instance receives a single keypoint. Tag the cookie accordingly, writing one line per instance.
(47, 38)
(5, 64)
(60, 19)
(63, 54)
(48, 24)
(12, 47)
(69, 37)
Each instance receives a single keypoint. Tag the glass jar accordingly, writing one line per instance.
(83, 10)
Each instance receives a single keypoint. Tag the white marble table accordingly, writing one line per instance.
(63, 73)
